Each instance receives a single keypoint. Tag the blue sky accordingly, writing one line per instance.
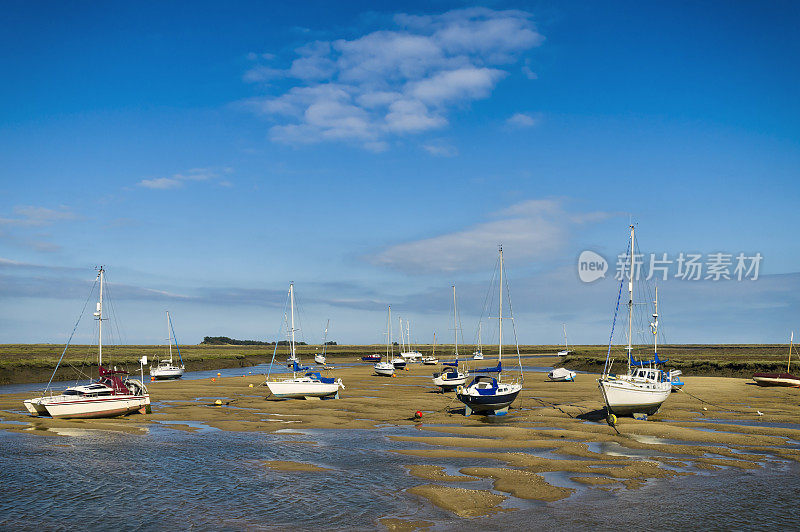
(377, 153)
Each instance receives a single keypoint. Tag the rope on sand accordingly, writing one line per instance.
(724, 408)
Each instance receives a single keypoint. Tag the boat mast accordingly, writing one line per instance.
(655, 325)
(791, 341)
(169, 339)
(630, 306)
(500, 343)
(325, 339)
(566, 346)
(455, 326)
(291, 302)
(402, 336)
(389, 345)
(99, 315)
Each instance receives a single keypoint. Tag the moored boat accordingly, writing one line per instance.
(561, 375)
(166, 369)
(641, 389)
(487, 394)
(451, 377)
(780, 379)
(386, 368)
(110, 396)
(311, 384)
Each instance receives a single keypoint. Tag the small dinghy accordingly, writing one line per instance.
(562, 375)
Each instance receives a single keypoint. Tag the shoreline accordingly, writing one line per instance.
(33, 363)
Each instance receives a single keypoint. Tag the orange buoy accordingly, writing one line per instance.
(219, 374)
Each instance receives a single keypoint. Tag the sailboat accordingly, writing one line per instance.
(398, 361)
(320, 358)
(451, 377)
(478, 353)
(644, 387)
(312, 383)
(166, 369)
(113, 394)
(386, 368)
(410, 355)
(431, 359)
(779, 379)
(565, 352)
(486, 394)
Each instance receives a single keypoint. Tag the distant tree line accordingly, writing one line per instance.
(224, 340)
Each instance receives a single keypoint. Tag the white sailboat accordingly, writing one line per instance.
(478, 353)
(431, 359)
(409, 354)
(166, 369)
(386, 368)
(320, 358)
(312, 383)
(641, 389)
(565, 352)
(113, 394)
(486, 394)
(451, 377)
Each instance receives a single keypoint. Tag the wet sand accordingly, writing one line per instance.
(552, 428)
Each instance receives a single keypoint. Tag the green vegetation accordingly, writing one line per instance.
(723, 360)
(224, 340)
(35, 362)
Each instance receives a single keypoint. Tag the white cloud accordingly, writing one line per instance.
(521, 120)
(440, 149)
(33, 216)
(399, 81)
(533, 229)
(179, 180)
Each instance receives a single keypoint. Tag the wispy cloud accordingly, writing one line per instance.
(533, 229)
(440, 148)
(521, 120)
(181, 179)
(33, 216)
(394, 82)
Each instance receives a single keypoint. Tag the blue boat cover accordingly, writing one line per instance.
(451, 364)
(656, 361)
(316, 375)
(296, 367)
(497, 369)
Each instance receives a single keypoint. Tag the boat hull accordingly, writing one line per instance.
(625, 398)
(298, 390)
(449, 383)
(777, 379)
(162, 374)
(384, 369)
(64, 407)
(489, 404)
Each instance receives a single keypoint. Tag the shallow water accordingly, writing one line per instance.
(213, 479)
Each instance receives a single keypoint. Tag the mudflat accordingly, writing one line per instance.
(553, 427)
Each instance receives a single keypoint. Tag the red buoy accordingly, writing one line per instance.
(417, 415)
